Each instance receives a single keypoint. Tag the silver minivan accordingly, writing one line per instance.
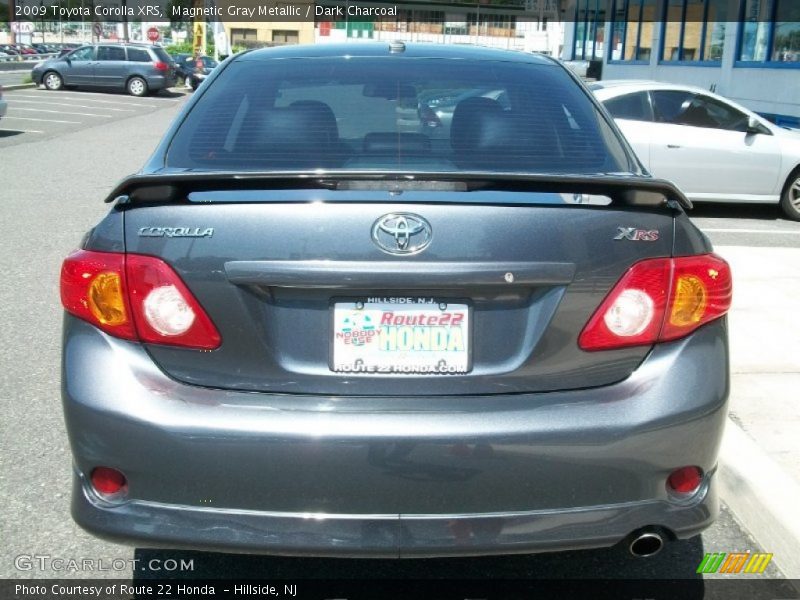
(137, 68)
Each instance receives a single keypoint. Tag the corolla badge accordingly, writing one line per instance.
(401, 233)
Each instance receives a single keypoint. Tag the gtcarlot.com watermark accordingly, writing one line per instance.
(62, 564)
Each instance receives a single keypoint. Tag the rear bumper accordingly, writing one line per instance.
(160, 82)
(439, 476)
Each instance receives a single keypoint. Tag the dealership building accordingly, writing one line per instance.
(746, 50)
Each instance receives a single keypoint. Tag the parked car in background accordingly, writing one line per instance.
(182, 62)
(193, 70)
(10, 50)
(301, 330)
(714, 149)
(25, 49)
(137, 68)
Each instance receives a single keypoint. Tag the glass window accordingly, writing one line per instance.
(767, 40)
(138, 55)
(669, 104)
(696, 110)
(719, 114)
(695, 30)
(110, 53)
(380, 114)
(86, 53)
(632, 29)
(635, 107)
(590, 16)
(786, 37)
(285, 36)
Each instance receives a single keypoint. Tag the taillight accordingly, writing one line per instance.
(135, 297)
(166, 312)
(93, 289)
(161, 66)
(658, 300)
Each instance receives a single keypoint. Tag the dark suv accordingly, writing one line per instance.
(137, 68)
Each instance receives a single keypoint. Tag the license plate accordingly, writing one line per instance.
(400, 336)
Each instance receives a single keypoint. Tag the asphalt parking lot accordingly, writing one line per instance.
(41, 114)
(82, 143)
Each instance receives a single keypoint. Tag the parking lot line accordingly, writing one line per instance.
(16, 100)
(38, 96)
(62, 112)
(106, 94)
(41, 120)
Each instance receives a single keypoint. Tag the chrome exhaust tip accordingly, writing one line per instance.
(646, 544)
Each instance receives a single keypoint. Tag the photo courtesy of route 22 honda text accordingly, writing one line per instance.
(309, 327)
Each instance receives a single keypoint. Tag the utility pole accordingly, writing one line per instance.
(125, 33)
(11, 11)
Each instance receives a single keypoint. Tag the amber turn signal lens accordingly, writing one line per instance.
(690, 301)
(105, 299)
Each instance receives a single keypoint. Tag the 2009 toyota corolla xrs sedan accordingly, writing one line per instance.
(306, 327)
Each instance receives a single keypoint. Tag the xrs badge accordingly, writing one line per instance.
(636, 235)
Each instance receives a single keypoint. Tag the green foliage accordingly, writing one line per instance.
(186, 48)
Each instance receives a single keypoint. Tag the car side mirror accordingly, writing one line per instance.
(755, 127)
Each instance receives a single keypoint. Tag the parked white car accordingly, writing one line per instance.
(712, 148)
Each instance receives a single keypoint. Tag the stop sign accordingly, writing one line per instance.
(152, 34)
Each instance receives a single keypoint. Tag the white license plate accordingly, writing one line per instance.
(401, 336)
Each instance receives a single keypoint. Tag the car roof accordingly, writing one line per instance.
(377, 49)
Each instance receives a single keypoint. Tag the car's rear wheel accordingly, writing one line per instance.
(53, 81)
(790, 201)
(137, 86)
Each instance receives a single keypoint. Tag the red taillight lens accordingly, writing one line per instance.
(658, 300)
(161, 66)
(135, 297)
(108, 482)
(685, 480)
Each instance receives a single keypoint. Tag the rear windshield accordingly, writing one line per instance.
(389, 114)
(161, 54)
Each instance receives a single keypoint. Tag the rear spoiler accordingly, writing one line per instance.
(632, 190)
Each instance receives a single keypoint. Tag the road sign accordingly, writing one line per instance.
(22, 27)
(153, 35)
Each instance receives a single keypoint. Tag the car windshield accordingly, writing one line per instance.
(385, 114)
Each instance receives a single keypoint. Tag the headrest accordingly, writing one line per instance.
(479, 123)
(324, 119)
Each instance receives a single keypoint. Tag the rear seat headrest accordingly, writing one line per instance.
(475, 123)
